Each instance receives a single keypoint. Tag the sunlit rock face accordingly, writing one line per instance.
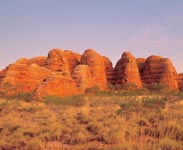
(22, 77)
(65, 73)
(126, 71)
(96, 64)
(83, 77)
(160, 70)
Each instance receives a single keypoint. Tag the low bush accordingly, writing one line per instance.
(76, 100)
(154, 102)
(128, 106)
(158, 87)
(95, 90)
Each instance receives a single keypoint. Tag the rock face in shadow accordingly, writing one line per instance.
(96, 64)
(141, 65)
(108, 69)
(180, 81)
(64, 73)
(160, 70)
(73, 59)
(126, 71)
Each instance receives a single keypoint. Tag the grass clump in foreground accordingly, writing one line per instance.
(103, 121)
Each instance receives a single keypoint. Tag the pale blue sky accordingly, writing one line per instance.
(30, 28)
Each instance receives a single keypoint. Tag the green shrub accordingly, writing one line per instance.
(128, 106)
(24, 96)
(124, 86)
(158, 87)
(154, 102)
(93, 90)
(76, 100)
(19, 96)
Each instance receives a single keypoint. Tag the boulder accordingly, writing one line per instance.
(96, 63)
(83, 78)
(126, 71)
(160, 70)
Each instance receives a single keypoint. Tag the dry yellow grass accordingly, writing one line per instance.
(110, 122)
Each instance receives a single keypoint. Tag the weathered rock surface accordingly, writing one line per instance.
(57, 61)
(160, 70)
(83, 78)
(73, 59)
(56, 85)
(126, 71)
(40, 61)
(21, 77)
(95, 62)
(180, 81)
(65, 73)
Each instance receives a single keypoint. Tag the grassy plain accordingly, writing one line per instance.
(136, 120)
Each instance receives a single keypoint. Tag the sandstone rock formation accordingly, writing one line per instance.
(57, 61)
(126, 71)
(108, 69)
(40, 61)
(140, 64)
(73, 59)
(65, 73)
(2, 75)
(160, 70)
(21, 77)
(56, 85)
(83, 78)
(95, 62)
(180, 81)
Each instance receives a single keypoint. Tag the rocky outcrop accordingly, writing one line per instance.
(160, 70)
(65, 73)
(40, 61)
(21, 77)
(73, 59)
(83, 78)
(96, 64)
(108, 69)
(57, 61)
(126, 71)
(56, 85)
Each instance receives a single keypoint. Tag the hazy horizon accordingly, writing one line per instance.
(143, 27)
